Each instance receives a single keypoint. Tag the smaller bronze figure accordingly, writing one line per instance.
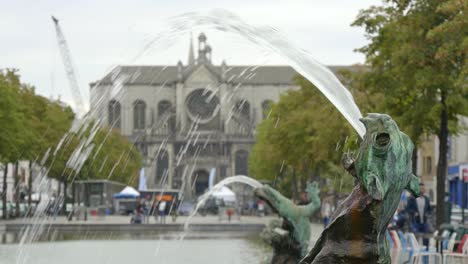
(290, 240)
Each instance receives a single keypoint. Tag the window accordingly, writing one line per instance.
(427, 163)
(114, 114)
(266, 108)
(243, 108)
(164, 107)
(139, 114)
(241, 162)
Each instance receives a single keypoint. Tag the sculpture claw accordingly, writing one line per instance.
(347, 162)
(374, 187)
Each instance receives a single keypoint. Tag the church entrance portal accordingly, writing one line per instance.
(201, 182)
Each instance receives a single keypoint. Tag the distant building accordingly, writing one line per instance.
(188, 119)
(457, 157)
(428, 156)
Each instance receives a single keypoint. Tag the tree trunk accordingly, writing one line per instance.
(70, 215)
(64, 206)
(414, 160)
(30, 188)
(17, 189)
(4, 192)
(442, 163)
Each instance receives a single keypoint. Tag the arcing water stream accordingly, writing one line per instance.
(229, 180)
(264, 37)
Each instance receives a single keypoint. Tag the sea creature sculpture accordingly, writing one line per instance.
(383, 169)
(290, 241)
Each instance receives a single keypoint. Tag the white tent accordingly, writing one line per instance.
(127, 192)
(226, 194)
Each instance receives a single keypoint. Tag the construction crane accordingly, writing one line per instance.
(69, 68)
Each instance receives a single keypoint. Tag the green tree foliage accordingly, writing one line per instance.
(30, 123)
(113, 158)
(303, 139)
(11, 117)
(416, 56)
(33, 125)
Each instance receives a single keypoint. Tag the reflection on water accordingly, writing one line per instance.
(139, 251)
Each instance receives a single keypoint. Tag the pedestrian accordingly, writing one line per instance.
(326, 212)
(162, 211)
(146, 209)
(261, 208)
(419, 210)
(136, 219)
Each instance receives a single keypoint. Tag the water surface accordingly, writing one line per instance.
(196, 251)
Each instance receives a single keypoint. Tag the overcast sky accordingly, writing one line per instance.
(104, 33)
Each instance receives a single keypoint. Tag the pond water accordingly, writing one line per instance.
(202, 251)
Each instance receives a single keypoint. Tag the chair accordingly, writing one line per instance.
(463, 255)
(396, 239)
(403, 240)
(417, 252)
(389, 239)
(397, 246)
(451, 243)
(433, 242)
(463, 241)
(418, 257)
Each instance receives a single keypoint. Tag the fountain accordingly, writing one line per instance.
(382, 169)
(229, 180)
(356, 233)
(290, 241)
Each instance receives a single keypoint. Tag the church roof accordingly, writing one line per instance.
(246, 74)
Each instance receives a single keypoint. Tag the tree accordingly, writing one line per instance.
(416, 57)
(302, 139)
(94, 153)
(36, 128)
(12, 121)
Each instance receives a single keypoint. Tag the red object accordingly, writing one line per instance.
(462, 243)
(465, 174)
(93, 212)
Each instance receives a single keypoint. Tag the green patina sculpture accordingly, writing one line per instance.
(356, 233)
(290, 243)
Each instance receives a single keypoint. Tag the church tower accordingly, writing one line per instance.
(191, 56)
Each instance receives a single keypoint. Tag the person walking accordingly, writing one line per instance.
(419, 210)
(162, 211)
(326, 212)
(261, 208)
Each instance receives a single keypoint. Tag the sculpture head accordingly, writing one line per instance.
(384, 161)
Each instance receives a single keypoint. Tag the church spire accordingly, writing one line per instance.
(191, 57)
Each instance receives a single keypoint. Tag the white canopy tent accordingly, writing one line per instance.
(127, 192)
(225, 194)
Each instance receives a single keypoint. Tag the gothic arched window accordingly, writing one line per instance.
(113, 110)
(139, 114)
(243, 108)
(241, 162)
(266, 108)
(163, 107)
(162, 167)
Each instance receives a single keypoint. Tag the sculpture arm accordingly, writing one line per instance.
(313, 206)
(282, 205)
(314, 199)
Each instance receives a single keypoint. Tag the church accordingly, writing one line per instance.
(188, 120)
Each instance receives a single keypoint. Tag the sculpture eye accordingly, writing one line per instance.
(382, 139)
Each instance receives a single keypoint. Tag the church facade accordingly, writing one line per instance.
(190, 119)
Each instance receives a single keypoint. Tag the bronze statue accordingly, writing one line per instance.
(356, 233)
(290, 240)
